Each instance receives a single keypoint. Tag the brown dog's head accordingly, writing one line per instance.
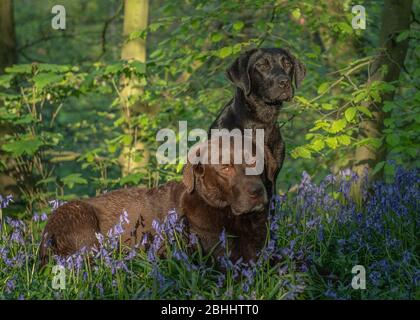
(226, 184)
(267, 74)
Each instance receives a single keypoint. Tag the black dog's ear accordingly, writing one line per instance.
(238, 72)
(299, 69)
(270, 165)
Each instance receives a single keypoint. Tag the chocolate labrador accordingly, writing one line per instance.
(263, 80)
(212, 197)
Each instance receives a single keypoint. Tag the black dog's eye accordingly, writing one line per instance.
(287, 64)
(263, 65)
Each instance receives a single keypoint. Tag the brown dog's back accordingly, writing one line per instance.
(73, 225)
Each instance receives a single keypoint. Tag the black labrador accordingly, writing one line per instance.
(263, 80)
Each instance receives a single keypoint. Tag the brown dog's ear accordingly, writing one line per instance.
(238, 72)
(188, 177)
(299, 69)
(192, 170)
(270, 165)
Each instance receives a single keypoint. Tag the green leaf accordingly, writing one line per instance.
(345, 27)
(332, 142)
(360, 96)
(238, 25)
(49, 67)
(42, 80)
(344, 139)
(139, 67)
(350, 113)
(28, 145)
(133, 179)
(317, 145)
(303, 100)
(155, 26)
(374, 142)
(323, 87)
(389, 169)
(327, 106)
(338, 125)
(72, 179)
(224, 52)
(114, 68)
(365, 110)
(388, 106)
(127, 139)
(5, 80)
(376, 96)
(296, 13)
(20, 68)
(378, 167)
(403, 35)
(216, 37)
(393, 139)
(301, 152)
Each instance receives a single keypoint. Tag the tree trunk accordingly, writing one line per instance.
(7, 58)
(7, 35)
(391, 55)
(136, 14)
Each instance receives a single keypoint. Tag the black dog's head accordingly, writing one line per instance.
(267, 74)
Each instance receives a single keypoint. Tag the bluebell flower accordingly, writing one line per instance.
(10, 286)
(220, 280)
(375, 278)
(56, 204)
(222, 238)
(406, 256)
(35, 217)
(145, 239)
(193, 239)
(5, 202)
(100, 288)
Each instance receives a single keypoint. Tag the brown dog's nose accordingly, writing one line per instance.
(256, 190)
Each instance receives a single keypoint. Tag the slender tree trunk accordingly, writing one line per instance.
(136, 13)
(395, 19)
(7, 58)
(7, 35)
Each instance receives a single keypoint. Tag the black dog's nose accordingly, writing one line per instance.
(283, 83)
(256, 190)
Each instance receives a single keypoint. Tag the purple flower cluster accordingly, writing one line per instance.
(5, 202)
(56, 203)
(321, 224)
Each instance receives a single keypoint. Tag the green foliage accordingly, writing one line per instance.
(71, 117)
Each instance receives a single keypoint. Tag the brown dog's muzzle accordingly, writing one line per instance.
(251, 198)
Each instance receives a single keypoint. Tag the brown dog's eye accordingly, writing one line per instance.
(228, 169)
